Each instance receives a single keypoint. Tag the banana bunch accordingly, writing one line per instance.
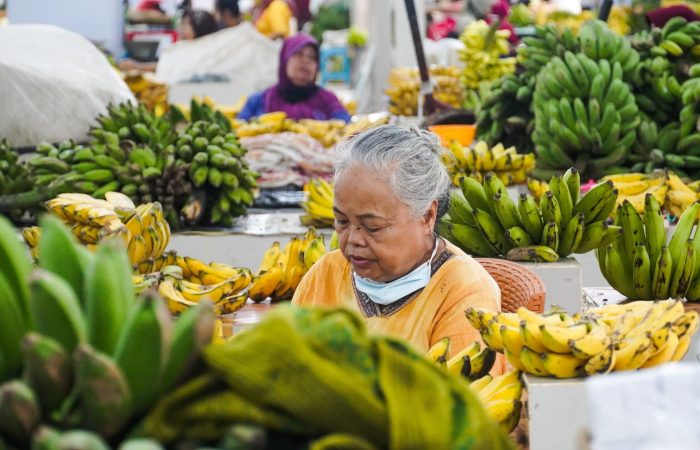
(666, 53)
(217, 167)
(500, 395)
(475, 161)
(633, 188)
(188, 286)
(484, 221)
(319, 204)
(520, 15)
(282, 269)
(565, 20)
(640, 264)
(585, 114)
(205, 108)
(668, 189)
(619, 19)
(404, 88)
(485, 54)
(143, 229)
(148, 90)
(14, 177)
(504, 114)
(80, 349)
(609, 338)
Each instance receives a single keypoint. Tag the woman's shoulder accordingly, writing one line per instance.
(461, 262)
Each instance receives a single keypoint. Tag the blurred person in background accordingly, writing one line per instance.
(227, 13)
(272, 17)
(196, 23)
(296, 92)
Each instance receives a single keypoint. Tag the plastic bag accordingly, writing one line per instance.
(243, 55)
(53, 84)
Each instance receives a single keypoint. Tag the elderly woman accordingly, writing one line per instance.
(390, 189)
(296, 92)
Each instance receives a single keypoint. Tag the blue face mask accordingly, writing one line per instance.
(387, 293)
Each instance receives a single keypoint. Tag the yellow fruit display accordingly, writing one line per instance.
(404, 88)
(282, 269)
(318, 204)
(480, 159)
(609, 338)
(147, 89)
(143, 228)
(485, 55)
(500, 395)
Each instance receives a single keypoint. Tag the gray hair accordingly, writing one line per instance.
(409, 157)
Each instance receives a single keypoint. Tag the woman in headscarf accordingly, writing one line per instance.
(296, 92)
(272, 17)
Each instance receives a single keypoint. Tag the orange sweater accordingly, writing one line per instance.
(435, 313)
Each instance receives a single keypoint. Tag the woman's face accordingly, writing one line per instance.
(377, 233)
(186, 30)
(302, 66)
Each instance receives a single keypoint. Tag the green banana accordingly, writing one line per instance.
(683, 271)
(564, 200)
(634, 229)
(460, 210)
(109, 293)
(571, 236)
(142, 345)
(506, 211)
(593, 234)
(19, 412)
(550, 235)
(47, 370)
(16, 266)
(654, 227)
(621, 277)
(551, 211)
(592, 199)
(56, 309)
(641, 273)
(531, 217)
(680, 236)
(663, 271)
(518, 237)
(104, 398)
(572, 179)
(533, 253)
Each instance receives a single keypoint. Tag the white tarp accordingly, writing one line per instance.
(243, 55)
(53, 84)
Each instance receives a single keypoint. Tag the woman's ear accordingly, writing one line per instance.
(430, 217)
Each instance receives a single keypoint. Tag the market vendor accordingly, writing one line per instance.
(296, 92)
(390, 189)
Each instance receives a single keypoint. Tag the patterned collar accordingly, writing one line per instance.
(371, 309)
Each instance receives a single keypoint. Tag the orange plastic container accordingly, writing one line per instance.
(464, 134)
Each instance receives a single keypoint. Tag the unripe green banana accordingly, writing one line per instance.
(641, 273)
(492, 231)
(683, 271)
(47, 370)
(472, 241)
(19, 412)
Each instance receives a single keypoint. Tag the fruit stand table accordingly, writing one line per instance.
(244, 244)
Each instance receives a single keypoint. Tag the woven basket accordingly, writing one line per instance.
(519, 285)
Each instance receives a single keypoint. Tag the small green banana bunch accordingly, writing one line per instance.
(217, 166)
(484, 221)
(485, 54)
(504, 113)
(640, 264)
(134, 123)
(14, 176)
(79, 348)
(608, 338)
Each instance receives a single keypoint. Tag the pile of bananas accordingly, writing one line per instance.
(479, 159)
(205, 108)
(80, 349)
(189, 282)
(500, 395)
(217, 167)
(564, 19)
(619, 19)
(148, 90)
(318, 204)
(484, 221)
(485, 54)
(668, 189)
(504, 113)
(404, 88)
(520, 15)
(547, 43)
(609, 338)
(537, 188)
(585, 113)
(143, 229)
(641, 266)
(282, 269)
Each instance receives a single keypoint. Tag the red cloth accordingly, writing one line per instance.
(439, 30)
(660, 16)
(501, 10)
